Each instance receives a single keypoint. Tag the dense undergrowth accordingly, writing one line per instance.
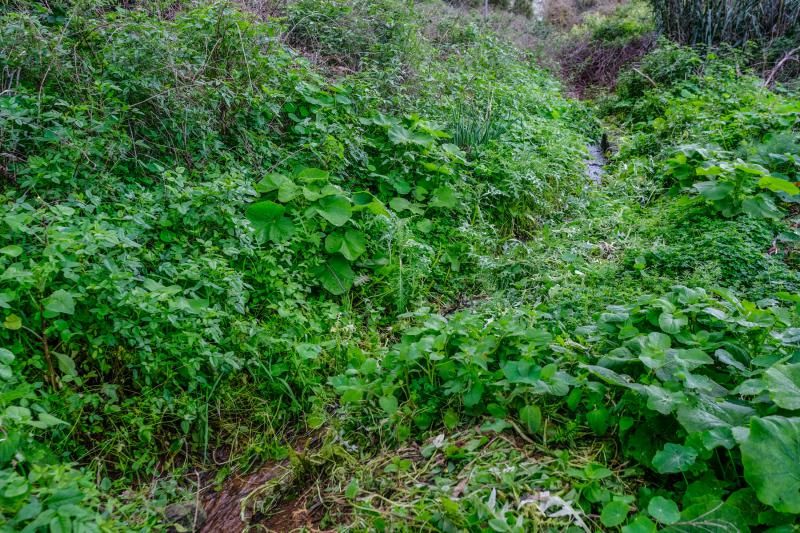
(221, 232)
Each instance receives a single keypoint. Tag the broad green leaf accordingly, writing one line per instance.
(400, 135)
(388, 404)
(783, 384)
(6, 357)
(674, 458)
(268, 221)
(778, 185)
(271, 182)
(288, 191)
(12, 250)
(66, 364)
(264, 212)
(671, 324)
(664, 510)
(714, 190)
(771, 460)
(48, 420)
(313, 175)
(531, 416)
(350, 243)
(473, 396)
(654, 349)
(641, 524)
(335, 209)
(614, 513)
(60, 302)
(399, 204)
(760, 206)
(443, 197)
(351, 491)
(335, 275)
(12, 322)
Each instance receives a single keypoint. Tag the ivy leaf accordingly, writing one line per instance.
(783, 384)
(674, 458)
(664, 510)
(336, 276)
(614, 513)
(771, 459)
(335, 209)
(60, 302)
(350, 243)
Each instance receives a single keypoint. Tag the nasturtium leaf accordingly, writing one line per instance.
(664, 510)
(531, 416)
(60, 302)
(778, 185)
(783, 384)
(640, 524)
(335, 275)
(443, 197)
(350, 243)
(614, 513)
(771, 460)
(335, 209)
(674, 458)
(12, 322)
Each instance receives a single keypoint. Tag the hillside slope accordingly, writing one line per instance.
(352, 251)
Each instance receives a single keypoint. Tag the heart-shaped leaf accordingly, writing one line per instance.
(335, 209)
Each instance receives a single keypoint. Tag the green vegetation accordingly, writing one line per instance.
(363, 245)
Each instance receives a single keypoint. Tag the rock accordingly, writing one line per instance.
(184, 516)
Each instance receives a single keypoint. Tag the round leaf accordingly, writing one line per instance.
(664, 510)
(674, 458)
(771, 460)
(351, 243)
(614, 513)
(335, 209)
(336, 275)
